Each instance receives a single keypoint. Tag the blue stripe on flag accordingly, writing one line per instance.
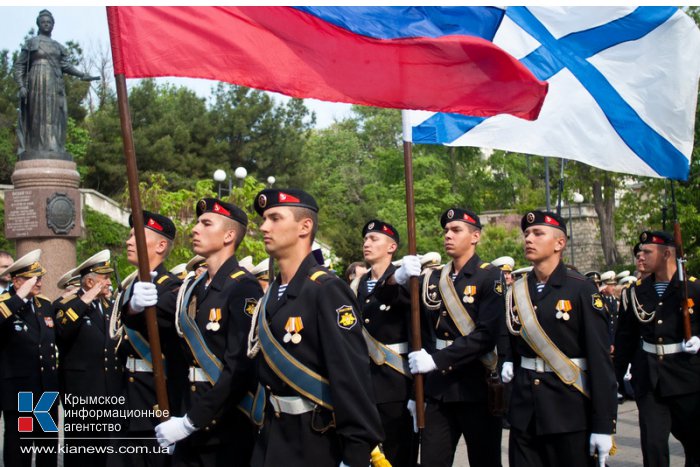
(444, 128)
(393, 22)
(657, 152)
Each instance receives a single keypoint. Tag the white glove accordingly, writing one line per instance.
(410, 267)
(144, 294)
(421, 362)
(507, 372)
(174, 430)
(692, 345)
(411, 406)
(602, 444)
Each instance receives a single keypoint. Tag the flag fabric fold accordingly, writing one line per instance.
(623, 85)
(428, 58)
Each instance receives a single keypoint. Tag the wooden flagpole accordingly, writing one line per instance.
(140, 236)
(416, 344)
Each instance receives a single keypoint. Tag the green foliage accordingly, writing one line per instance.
(497, 240)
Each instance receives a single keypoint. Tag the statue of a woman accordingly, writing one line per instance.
(39, 69)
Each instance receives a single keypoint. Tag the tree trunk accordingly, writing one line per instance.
(604, 203)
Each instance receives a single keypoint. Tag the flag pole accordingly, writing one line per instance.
(416, 344)
(140, 236)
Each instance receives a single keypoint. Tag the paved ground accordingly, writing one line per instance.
(627, 439)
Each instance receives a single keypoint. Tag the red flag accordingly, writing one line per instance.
(287, 50)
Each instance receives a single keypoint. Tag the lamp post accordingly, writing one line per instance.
(578, 199)
(271, 180)
(240, 173)
(220, 177)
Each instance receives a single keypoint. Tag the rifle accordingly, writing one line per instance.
(680, 262)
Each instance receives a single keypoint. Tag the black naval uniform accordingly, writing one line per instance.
(89, 367)
(27, 363)
(551, 422)
(140, 385)
(457, 392)
(225, 434)
(388, 321)
(666, 386)
(332, 346)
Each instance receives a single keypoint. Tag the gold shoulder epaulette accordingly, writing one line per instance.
(639, 282)
(317, 274)
(68, 298)
(162, 279)
(4, 296)
(485, 265)
(692, 279)
(43, 297)
(237, 274)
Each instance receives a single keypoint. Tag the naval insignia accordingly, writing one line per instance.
(498, 287)
(249, 306)
(262, 201)
(202, 205)
(469, 292)
(598, 302)
(370, 226)
(450, 214)
(643, 237)
(293, 327)
(214, 318)
(346, 317)
(530, 217)
(48, 321)
(563, 308)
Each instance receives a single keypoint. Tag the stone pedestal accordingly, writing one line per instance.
(43, 211)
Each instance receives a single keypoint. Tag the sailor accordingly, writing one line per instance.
(506, 265)
(665, 368)
(213, 317)
(463, 308)
(311, 356)
(262, 272)
(134, 344)
(563, 405)
(89, 365)
(386, 324)
(27, 364)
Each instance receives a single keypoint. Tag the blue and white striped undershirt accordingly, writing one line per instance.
(540, 286)
(660, 287)
(370, 285)
(282, 289)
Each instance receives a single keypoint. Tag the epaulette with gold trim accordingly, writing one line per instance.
(162, 279)
(639, 282)
(485, 265)
(43, 297)
(5, 296)
(68, 298)
(692, 279)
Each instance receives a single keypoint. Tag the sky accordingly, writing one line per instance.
(87, 26)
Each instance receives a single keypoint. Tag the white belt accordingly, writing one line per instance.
(441, 344)
(197, 375)
(662, 349)
(541, 366)
(293, 405)
(136, 364)
(401, 347)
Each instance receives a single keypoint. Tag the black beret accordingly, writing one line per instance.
(220, 207)
(459, 214)
(157, 223)
(594, 276)
(656, 237)
(271, 198)
(376, 225)
(548, 218)
(637, 248)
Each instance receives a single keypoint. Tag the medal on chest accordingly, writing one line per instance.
(469, 292)
(214, 318)
(293, 327)
(563, 307)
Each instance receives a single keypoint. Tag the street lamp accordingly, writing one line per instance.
(271, 180)
(240, 173)
(578, 199)
(219, 177)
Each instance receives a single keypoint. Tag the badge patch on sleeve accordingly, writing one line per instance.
(498, 287)
(249, 307)
(598, 302)
(346, 317)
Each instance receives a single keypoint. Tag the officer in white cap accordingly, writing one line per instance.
(506, 265)
(27, 360)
